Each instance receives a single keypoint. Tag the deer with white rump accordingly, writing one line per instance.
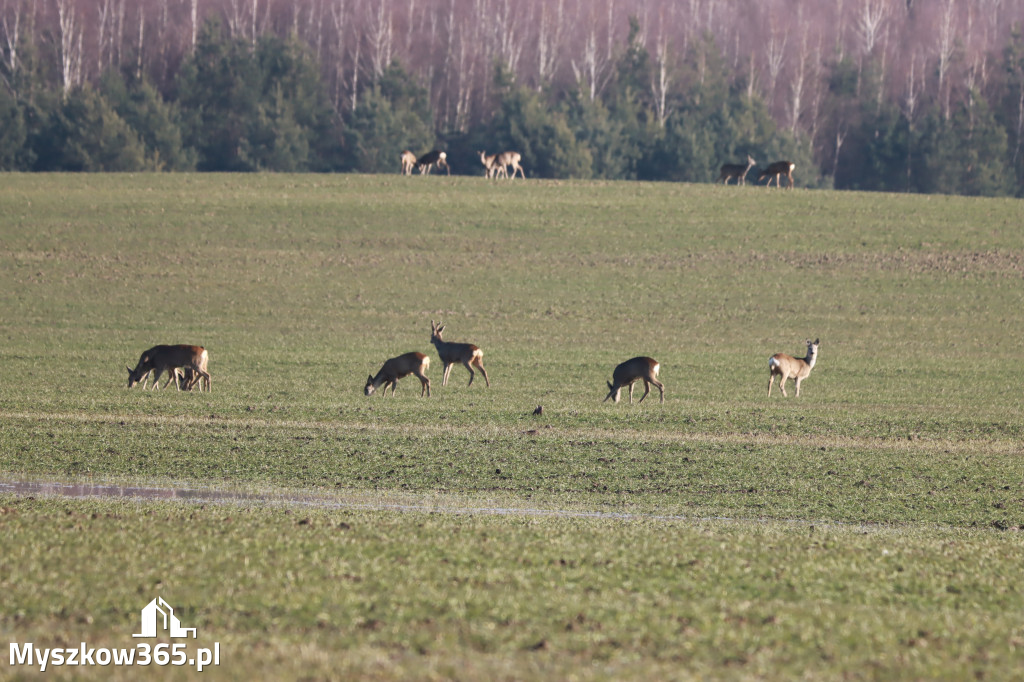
(775, 171)
(396, 368)
(159, 359)
(629, 372)
(786, 367)
(431, 159)
(450, 353)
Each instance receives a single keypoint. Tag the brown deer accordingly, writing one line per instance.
(408, 162)
(450, 353)
(736, 171)
(396, 368)
(627, 374)
(787, 366)
(506, 159)
(433, 158)
(776, 171)
(490, 163)
(170, 359)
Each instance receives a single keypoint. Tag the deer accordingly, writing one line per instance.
(433, 158)
(491, 164)
(629, 372)
(737, 171)
(450, 353)
(171, 359)
(786, 366)
(397, 368)
(506, 159)
(408, 162)
(777, 170)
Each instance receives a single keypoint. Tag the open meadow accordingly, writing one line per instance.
(871, 529)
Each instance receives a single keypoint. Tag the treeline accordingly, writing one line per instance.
(264, 91)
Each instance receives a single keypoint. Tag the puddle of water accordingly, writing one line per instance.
(356, 501)
(82, 489)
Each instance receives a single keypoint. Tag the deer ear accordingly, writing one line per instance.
(369, 379)
(817, 341)
(128, 368)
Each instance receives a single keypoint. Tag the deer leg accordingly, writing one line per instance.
(472, 374)
(424, 384)
(771, 380)
(647, 389)
(782, 385)
(661, 388)
(631, 393)
(444, 375)
(798, 380)
(480, 365)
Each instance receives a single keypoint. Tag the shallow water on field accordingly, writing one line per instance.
(362, 501)
(359, 501)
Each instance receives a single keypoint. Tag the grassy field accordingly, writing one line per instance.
(904, 451)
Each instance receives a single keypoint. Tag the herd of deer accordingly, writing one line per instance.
(774, 171)
(496, 165)
(187, 367)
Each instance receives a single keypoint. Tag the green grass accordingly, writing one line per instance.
(300, 286)
(313, 594)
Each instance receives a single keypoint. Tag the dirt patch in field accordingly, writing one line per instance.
(976, 263)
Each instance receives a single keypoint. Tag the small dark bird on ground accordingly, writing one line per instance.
(539, 410)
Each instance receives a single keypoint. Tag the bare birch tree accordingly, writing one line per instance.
(945, 47)
(11, 22)
(70, 45)
(550, 37)
(380, 35)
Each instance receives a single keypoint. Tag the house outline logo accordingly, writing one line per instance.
(171, 624)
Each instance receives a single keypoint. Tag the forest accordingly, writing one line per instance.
(889, 95)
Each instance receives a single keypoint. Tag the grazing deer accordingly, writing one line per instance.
(777, 170)
(408, 162)
(396, 368)
(491, 164)
(450, 353)
(787, 366)
(737, 171)
(433, 158)
(506, 159)
(628, 372)
(171, 358)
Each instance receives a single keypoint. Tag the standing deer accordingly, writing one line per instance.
(408, 162)
(491, 164)
(396, 368)
(450, 353)
(787, 366)
(777, 170)
(736, 171)
(171, 358)
(627, 374)
(506, 159)
(433, 158)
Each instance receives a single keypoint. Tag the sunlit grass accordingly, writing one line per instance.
(300, 286)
